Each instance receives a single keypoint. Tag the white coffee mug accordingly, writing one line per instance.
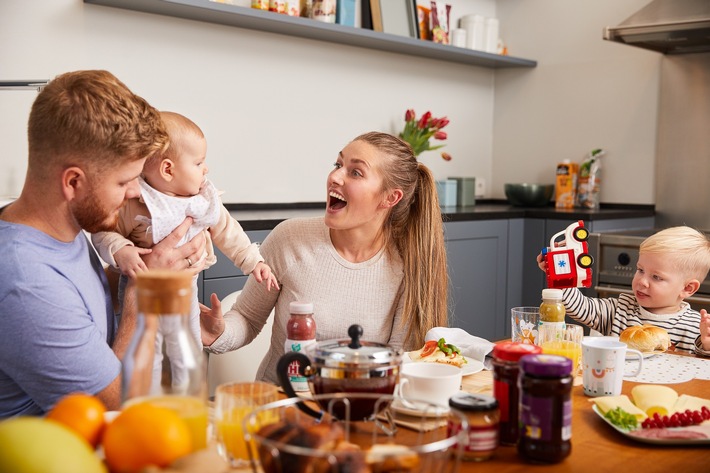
(432, 382)
(603, 362)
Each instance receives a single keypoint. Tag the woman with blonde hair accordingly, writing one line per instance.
(376, 258)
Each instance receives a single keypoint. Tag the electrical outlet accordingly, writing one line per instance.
(480, 187)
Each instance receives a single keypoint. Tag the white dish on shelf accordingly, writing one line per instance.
(473, 366)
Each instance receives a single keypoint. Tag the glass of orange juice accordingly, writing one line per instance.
(232, 403)
(563, 341)
(192, 410)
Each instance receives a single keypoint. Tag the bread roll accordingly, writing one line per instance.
(646, 338)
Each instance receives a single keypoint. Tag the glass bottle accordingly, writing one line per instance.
(300, 333)
(483, 416)
(164, 364)
(545, 408)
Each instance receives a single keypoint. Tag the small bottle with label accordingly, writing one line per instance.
(552, 312)
(545, 408)
(300, 333)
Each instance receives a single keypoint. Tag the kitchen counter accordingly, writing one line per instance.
(267, 216)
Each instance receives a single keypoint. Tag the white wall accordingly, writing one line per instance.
(277, 109)
(585, 93)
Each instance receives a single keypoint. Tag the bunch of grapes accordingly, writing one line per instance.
(679, 419)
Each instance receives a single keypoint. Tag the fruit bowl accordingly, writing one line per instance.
(284, 439)
(529, 195)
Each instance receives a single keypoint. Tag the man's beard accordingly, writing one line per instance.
(93, 217)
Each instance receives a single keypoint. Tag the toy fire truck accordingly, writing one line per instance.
(568, 261)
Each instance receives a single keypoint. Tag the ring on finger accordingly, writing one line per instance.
(189, 262)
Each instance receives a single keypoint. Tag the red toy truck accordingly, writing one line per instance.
(569, 261)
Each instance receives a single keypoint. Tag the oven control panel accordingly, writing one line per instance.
(617, 264)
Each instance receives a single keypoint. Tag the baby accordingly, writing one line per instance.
(672, 264)
(173, 186)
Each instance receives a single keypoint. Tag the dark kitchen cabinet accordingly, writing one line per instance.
(224, 277)
(477, 254)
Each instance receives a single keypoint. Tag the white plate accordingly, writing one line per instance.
(630, 434)
(426, 410)
(473, 366)
(644, 355)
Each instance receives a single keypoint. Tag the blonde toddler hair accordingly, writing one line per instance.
(687, 248)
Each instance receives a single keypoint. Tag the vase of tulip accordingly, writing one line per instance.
(419, 131)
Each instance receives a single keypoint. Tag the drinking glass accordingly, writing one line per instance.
(233, 402)
(564, 341)
(524, 321)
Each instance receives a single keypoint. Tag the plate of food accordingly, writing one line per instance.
(657, 415)
(438, 351)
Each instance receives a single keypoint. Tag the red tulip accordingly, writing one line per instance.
(409, 115)
(442, 122)
(424, 120)
(440, 135)
(446, 156)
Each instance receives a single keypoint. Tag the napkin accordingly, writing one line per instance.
(471, 346)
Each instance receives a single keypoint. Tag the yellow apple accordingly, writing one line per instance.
(36, 445)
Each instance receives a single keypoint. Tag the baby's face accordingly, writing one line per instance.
(190, 167)
(658, 285)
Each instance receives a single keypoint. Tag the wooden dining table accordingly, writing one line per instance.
(596, 446)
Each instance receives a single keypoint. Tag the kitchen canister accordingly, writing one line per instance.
(324, 10)
(447, 192)
(465, 191)
(458, 37)
(475, 26)
(491, 45)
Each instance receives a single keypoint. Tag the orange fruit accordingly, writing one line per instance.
(143, 435)
(82, 413)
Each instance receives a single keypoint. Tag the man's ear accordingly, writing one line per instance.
(392, 198)
(74, 182)
(690, 288)
(167, 169)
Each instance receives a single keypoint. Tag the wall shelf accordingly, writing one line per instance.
(243, 17)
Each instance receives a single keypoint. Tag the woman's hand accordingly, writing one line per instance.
(211, 321)
(187, 257)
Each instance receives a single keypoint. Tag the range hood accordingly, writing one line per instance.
(666, 26)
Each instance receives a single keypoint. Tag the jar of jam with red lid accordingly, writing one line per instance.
(505, 386)
(545, 408)
(482, 414)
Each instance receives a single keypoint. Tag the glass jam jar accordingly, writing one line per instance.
(483, 416)
(505, 386)
(545, 408)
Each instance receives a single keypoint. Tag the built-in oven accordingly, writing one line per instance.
(615, 257)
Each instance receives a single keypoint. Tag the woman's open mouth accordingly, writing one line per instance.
(336, 201)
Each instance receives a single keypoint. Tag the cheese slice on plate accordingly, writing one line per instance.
(608, 403)
(652, 398)
(690, 402)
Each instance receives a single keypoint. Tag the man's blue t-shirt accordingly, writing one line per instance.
(56, 321)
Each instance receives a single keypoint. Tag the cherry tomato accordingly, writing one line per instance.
(429, 348)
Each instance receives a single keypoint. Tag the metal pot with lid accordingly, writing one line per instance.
(345, 366)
